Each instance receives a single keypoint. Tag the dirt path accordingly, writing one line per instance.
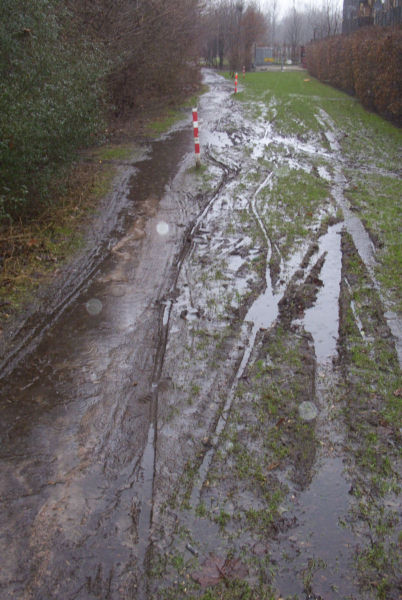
(195, 417)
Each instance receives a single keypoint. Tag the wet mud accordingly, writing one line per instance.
(208, 409)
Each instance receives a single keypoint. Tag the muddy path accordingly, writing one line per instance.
(195, 417)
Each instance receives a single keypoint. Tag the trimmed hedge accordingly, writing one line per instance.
(367, 63)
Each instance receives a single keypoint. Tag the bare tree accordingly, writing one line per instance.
(216, 32)
(253, 30)
(232, 27)
(272, 21)
(293, 28)
(151, 44)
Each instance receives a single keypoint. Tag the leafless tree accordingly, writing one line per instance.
(293, 29)
(151, 44)
(232, 29)
(327, 20)
(253, 30)
(272, 21)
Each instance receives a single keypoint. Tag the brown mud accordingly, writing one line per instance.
(204, 404)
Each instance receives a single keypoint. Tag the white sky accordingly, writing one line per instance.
(284, 5)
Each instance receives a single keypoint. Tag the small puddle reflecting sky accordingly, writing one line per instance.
(322, 319)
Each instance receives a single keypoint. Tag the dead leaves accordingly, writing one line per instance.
(216, 569)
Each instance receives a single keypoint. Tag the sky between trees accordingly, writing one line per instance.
(284, 6)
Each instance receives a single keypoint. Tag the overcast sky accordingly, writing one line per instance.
(284, 5)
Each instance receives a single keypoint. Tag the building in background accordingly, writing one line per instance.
(363, 13)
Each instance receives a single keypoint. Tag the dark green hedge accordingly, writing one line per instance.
(49, 98)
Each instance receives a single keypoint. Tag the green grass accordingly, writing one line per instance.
(298, 105)
(377, 198)
(373, 411)
(171, 116)
(115, 152)
(292, 103)
(165, 122)
(292, 207)
(33, 251)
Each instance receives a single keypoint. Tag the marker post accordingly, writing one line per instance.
(196, 138)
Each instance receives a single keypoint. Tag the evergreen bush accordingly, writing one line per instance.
(50, 94)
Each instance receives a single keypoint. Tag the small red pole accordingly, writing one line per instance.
(244, 71)
(236, 83)
(196, 138)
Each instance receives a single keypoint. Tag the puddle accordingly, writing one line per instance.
(320, 549)
(145, 484)
(322, 319)
(355, 227)
(83, 424)
(264, 310)
(316, 555)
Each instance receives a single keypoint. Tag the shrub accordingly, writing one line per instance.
(367, 63)
(49, 99)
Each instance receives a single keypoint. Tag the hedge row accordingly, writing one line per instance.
(367, 63)
(50, 99)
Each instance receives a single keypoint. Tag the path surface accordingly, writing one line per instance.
(114, 427)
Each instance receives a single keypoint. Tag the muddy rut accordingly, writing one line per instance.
(185, 422)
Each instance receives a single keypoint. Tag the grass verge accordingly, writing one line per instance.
(33, 252)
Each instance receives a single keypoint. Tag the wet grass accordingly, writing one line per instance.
(296, 104)
(373, 410)
(294, 98)
(242, 495)
(375, 197)
(289, 97)
(34, 252)
(267, 454)
(165, 122)
(293, 206)
(170, 116)
(265, 433)
(227, 590)
(115, 152)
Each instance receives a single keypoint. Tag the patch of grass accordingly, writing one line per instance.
(293, 103)
(201, 510)
(262, 520)
(164, 122)
(200, 170)
(114, 152)
(32, 252)
(313, 565)
(376, 198)
(222, 518)
(170, 116)
(292, 207)
(373, 410)
(235, 589)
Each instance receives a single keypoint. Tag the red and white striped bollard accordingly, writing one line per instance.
(196, 138)
(236, 83)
